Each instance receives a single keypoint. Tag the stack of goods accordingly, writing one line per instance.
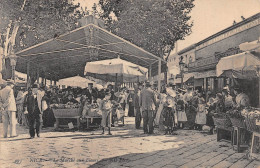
(221, 120)
(66, 110)
(252, 118)
(65, 106)
(236, 118)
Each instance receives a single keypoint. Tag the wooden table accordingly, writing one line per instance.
(90, 119)
(67, 114)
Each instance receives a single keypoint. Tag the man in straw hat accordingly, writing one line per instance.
(8, 108)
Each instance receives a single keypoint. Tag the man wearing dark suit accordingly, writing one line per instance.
(91, 93)
(147, 103)
(32, 106)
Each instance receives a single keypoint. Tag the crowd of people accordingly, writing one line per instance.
(173, 108)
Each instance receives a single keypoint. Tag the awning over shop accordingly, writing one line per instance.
(249, 46)
(186, 77)
(237, 62)
(206, 74)
(248, 74)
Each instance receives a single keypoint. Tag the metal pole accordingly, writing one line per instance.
(159, 75)
(38, 76)
(181, 78)
(28, 75)
(150, 73)
(116, 84)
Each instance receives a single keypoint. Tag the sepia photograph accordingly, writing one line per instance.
(130, 83)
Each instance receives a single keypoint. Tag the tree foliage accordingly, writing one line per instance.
(154, 25)
(25, 23)
(39, 20)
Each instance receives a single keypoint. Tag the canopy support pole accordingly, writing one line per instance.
(258, 70)
(115, 89)
(159, 75)
(45, 79)
(28, 75)
(38, 76)
(150, 73)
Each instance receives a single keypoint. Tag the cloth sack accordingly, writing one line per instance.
(181, 116)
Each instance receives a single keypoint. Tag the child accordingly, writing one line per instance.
(201, 114)
(106, 108)
(181, 115)
(168, 115)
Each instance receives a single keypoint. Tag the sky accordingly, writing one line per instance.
(210, 16)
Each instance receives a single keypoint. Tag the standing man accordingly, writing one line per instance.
(9, 109)
(147, 102)
(138, 116)
(32, 106)
(91, 94)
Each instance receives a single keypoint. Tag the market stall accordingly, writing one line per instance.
(243, 119)
(66, 111)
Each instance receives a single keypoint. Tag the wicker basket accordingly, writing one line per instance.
(238, 122)
(66, 113)
(251, 125)
(223, 123)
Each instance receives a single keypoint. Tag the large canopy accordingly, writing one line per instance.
(116, 70)
(66, 55)
(237, 62)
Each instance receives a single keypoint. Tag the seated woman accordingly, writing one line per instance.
(70, 99)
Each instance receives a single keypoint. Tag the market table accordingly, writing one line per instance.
(89, 120)
(72, 113)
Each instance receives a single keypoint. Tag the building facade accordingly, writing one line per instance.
(202, 57)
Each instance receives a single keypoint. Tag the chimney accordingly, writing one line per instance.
(90, 19)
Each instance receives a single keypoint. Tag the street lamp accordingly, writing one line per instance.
(181, 64)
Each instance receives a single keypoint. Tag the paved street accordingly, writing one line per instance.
(127, 147)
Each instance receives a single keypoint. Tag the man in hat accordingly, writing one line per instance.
(32, 106)
(148, 102)
(8, 108)
(91, 93)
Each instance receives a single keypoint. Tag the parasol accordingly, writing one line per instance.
(76, 81)
(116, 70)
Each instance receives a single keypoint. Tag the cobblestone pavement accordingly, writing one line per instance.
(127, 147)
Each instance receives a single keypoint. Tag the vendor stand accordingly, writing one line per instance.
(66, 111)
(244, 67)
